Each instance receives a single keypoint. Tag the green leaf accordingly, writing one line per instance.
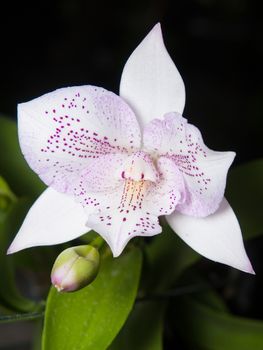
(207, 327)
(91, 318)
(245, 193)
(38, 334)
(167, 256)
(6, 198)
(13, 166)
(5, 190)
(9, 224)
(143, 329)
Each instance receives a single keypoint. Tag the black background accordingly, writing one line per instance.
(216, 45)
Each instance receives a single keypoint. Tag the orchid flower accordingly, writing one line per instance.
(114, 164)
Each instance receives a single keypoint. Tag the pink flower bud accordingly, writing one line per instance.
(75, 268)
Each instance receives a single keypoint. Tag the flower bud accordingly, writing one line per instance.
(75, 268)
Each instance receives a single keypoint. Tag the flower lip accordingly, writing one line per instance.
(139, 166)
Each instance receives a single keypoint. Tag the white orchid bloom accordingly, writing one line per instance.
(115, 164)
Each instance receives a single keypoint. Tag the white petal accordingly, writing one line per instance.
(150, 81)
(54, 218)
(204, 171)
(118, 228)
(64, 131)
(217, 237)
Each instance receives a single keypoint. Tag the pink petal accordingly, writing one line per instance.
(164, 196)
(54, 218)
(64, 131)
(99, 176)
(204, 171)
(150, 81)
(217, 237)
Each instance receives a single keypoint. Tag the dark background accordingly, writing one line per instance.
(216, 45)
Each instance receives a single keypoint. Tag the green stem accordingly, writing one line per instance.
(97, 243)
(21, 317)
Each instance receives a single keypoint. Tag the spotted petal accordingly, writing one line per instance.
(217, 237)
(150, 81)
(54, 218)
(62, 132)
(204, 171)
(163, 197)
(133, 208)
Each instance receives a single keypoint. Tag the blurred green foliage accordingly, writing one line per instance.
(95, 314)
(102, 315)
(245, 193)
(210, 326)
(22, 180)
